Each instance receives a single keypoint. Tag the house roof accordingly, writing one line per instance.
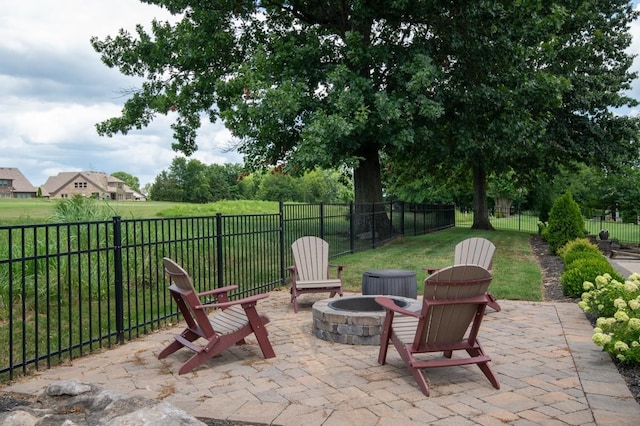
(20, 183)
(100, 180)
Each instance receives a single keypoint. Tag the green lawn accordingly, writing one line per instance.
(516, 273)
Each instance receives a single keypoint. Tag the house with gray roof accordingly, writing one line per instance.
(13, 184)
(89, 184)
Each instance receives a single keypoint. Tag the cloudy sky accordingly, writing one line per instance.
(54, 89)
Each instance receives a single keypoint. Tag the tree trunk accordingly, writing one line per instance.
(503, 207)
(480, 207)
(371, 219)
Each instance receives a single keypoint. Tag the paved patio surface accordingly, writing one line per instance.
(550, 374)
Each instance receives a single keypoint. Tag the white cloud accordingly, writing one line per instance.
(54, 89)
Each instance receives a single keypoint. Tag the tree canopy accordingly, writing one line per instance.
(459, 89)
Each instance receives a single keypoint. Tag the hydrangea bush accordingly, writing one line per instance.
(617, 306)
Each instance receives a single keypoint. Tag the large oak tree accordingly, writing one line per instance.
(451, 86)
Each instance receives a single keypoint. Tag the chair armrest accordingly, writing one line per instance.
(483, 299)
(243, 301)
(389, 305)
(215, 291)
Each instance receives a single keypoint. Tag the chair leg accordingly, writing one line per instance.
(176, 345)
(484, 366)
(384, 338)
(260, 331)
(408, 359)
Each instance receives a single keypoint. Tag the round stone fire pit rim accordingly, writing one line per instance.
(365, 303)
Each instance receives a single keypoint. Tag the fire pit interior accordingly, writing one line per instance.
(364, 304)
(354, 320)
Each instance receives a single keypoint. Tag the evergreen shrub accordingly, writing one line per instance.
(565, 222)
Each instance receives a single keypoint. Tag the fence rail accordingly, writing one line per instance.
(527, 221)
(68, 289)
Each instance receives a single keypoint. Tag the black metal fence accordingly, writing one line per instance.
(527, 221)
(68, 289)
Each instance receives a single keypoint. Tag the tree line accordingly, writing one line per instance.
(191, 181)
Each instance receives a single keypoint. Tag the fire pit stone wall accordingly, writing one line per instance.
(353, 327)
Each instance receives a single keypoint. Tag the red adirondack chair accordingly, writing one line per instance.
(454, 297)
(311, 272)
(233, 321)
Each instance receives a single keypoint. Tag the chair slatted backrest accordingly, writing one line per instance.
(311, 257)
(446, 324)
(475, 251)
(186, 297)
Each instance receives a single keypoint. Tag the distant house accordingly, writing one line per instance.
(13, 184)
(89, 184)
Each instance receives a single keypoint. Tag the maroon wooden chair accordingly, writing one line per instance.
(454, 298)
(311, 272)
(233, 321)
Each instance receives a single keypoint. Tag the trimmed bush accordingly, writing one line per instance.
(617, 306)
(565, 222)
(576, 249)
(585, 269)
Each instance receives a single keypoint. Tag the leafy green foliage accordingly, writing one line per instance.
(587, 268)
(430, 86)
(131, 181)
(81, 209)
(194, 182)
(616, 303)
(565, 222)
(576, 249)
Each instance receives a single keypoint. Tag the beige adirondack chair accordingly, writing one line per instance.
(454, 298)
(232, 322)
(311, 272)
(472, 251)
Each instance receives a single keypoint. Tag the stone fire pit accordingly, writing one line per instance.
(354, 320)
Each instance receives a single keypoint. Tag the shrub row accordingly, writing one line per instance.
(614, 302)
(582, 262)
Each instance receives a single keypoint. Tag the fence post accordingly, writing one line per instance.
(281, 208)
(352, 238)
(322, 221)
(373, 225)
(219, 257)
(119, 288)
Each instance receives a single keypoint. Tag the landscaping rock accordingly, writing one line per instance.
(74, 403)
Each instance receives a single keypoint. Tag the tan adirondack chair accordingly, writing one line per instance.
(472, 251)
(454, 298)
(311, 272)
(232, 322)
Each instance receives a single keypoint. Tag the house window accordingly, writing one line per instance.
(5, 182)
(80, 184)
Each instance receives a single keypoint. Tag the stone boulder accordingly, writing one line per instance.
(71, 403)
